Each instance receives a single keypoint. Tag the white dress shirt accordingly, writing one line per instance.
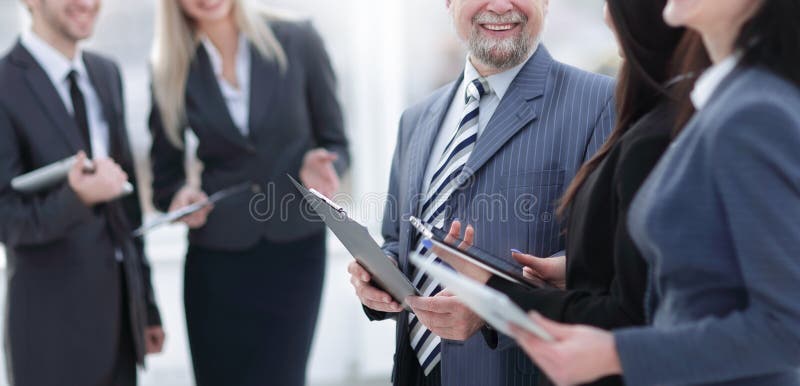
(236, 99)
(708, 83)
(57, 67)
(498, 82)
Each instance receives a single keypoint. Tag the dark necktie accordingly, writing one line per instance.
(79, 109)
(115, 215)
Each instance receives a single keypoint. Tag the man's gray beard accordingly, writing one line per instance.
(500, 54)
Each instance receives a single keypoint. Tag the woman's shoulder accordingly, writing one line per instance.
(641, 148)
(755, 115)
(755, 90)
(288, 26)
(297, 36)
(758, 82)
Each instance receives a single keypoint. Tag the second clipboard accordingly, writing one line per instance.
(478, 257)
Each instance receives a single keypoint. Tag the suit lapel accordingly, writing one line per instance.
(515, 111)
(421, 143)
(102, 83)
(264, 78)
(203, 90)
(102, 86)
(41, 86)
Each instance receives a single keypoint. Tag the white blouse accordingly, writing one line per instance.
(236, 99)
(708, 83)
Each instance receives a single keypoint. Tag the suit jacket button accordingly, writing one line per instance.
(256, 188)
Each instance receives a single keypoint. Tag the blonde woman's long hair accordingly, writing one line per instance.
(175, 43)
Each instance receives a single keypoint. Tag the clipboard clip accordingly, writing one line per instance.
(328, 201)
(420, 227)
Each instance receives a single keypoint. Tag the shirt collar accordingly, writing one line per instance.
(53, 62)
(708, 83)
(499, 82)
(216, 58)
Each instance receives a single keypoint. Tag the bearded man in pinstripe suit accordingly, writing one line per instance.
(495, 148)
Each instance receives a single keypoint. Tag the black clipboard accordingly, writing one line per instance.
(360, 244)
(486, 261)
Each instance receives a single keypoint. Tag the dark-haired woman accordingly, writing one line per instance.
(604, 275)
(717, 220)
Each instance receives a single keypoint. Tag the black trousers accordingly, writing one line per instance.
(125, 366)
(251, 314)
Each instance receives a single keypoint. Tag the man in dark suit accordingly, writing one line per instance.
(80, 307)
(495, 149)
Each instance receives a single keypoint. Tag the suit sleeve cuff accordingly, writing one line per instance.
(634, 350)
(490, 336)
(374, 315)
(496, 282)
(546, 301)
(153, 316)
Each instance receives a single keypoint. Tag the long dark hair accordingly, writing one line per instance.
(649, 46)
(771, 38)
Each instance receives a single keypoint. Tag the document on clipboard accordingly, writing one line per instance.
(189, 209)
(491, 305)
(478, 257)
(360, 244)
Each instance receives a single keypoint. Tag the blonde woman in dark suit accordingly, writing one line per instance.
(258, 91)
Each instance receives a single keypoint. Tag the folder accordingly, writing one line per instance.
(494, 307)
(360, 244)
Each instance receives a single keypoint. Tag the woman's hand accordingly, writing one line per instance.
(318, 172)
(188, 196)
(551, 270)
(577, 355)
(462, 266)
(154, 338)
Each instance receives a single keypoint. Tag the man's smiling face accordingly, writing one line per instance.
(499, 33)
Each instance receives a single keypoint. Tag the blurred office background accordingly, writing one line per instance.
(387, 54)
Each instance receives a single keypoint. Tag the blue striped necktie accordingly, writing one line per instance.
(445, 180)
